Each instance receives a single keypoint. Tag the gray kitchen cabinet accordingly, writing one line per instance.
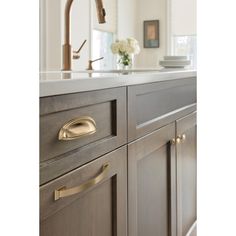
(162, 173)
(135, 174)
(89, 201)
(151, 184)
(162, 179)
(186, 174)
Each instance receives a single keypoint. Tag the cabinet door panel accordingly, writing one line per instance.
(186, 174)
(100, 210)
(151, 190)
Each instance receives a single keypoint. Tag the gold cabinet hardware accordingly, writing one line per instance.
(77, 128)
(178, 140)
(63, 192)
(173, 141)
(181, 138)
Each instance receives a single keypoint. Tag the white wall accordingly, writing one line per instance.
(50, 35)
(127, 20)
(183, 17)
(151, 10)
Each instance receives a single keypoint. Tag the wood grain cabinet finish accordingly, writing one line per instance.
(106, 107)
(151, 184)
(151, 106)
(99, 211)
(160, 172)
(186, 175)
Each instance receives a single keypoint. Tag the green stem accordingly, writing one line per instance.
(125, 58)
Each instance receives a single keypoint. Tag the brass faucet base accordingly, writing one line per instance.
(66, 57)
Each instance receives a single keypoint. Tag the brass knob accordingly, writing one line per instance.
(173, 141)
(181, 138)
(178, 140)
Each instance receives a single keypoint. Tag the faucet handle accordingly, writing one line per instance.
(76, 53)
(90, 62)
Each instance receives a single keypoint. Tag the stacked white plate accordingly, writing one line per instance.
(174, 62)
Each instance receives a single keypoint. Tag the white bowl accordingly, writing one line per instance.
(174, 63)
(175, 57)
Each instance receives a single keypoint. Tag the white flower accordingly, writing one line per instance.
(137, 50)
(134, 45)
(129, 49)
(129, 46)
(115, 48)
(123, 46)
(132, 41)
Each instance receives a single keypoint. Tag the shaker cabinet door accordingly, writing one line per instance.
(151, 184)
(186, 175)
(89, 201)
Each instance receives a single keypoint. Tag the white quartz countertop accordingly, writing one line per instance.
(54, 83)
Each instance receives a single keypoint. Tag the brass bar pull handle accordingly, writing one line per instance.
(181, 138)
(63, 192)
(77, 128)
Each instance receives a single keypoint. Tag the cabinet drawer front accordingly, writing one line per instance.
(101, 206)
(154, 105)
(107, 108)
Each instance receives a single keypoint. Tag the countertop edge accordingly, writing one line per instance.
(60, 87)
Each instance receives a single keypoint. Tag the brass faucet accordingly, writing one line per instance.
(66, 48)
(90, 62)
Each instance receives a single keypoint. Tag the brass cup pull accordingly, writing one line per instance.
(77, 128)
(63, 192)
(181, 138)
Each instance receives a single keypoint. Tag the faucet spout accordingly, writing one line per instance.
(67, 21)
(66, 48)
(101, 13)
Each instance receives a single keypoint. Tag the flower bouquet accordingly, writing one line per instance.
(125, 49)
